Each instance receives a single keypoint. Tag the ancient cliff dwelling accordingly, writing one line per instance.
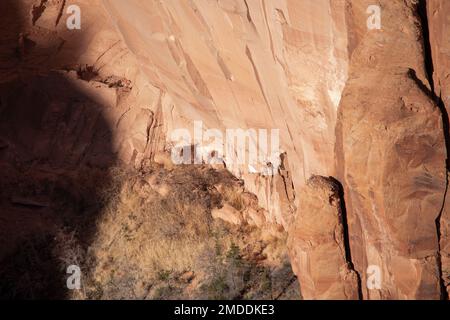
(224, 149)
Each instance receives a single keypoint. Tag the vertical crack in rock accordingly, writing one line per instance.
(258, 79)
(60, 13)
(348, 253)
(422, 12)
(37, 11)
(429, 65)
(390, 157)
(249, 17)
(317, 243)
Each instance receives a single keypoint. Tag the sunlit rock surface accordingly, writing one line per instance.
(367, 107)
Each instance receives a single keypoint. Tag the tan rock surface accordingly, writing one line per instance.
(439, 30)
(247, 64)
(391, 160)
(317, 246)
(93, 60)
(228, 214)
(112, 92)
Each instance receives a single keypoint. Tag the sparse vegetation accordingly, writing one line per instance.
(234, 198)
(155, 237)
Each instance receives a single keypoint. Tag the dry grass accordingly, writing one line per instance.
(234, 197)
(143, 237)
(155, 233)
(133, 241)
(152, 234)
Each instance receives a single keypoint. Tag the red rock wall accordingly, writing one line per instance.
(317, 243)
(439, 31)
(391, 159)
(369, 107)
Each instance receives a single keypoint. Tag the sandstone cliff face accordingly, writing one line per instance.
(439, 34)
(93, 61)
(391, 159)
(368, 107)
(318, 250)
(70, 109)
(247, 64)
(439, 37)
(289, 64)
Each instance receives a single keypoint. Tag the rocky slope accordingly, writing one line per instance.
(368, 107)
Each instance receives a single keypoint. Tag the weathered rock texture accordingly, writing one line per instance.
(247, 64)
(36, 41)
(70, 106)
(317, 243)
(391, 158)
(439, 37)
(112, 93)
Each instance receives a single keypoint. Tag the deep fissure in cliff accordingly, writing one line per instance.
(429, 66)
(344, 221)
